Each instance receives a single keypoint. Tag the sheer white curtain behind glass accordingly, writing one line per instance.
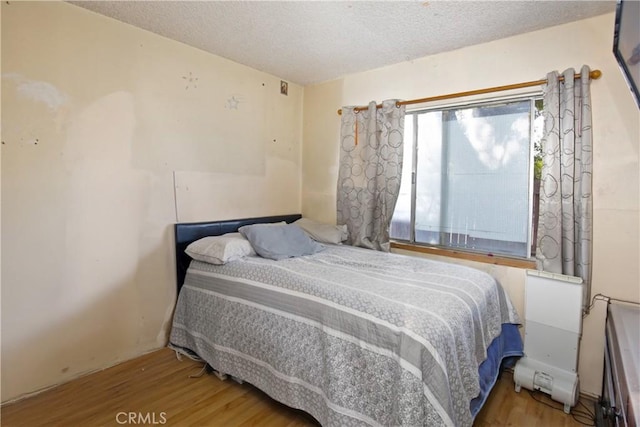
(565, 221)
(370, 171)
(400, 227)
(471, 179)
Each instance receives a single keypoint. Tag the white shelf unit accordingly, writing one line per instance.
(553, 326)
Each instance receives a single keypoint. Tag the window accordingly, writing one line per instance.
(468, 177)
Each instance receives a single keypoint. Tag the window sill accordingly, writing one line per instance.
(469, 256)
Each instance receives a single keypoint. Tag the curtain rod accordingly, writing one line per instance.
(594, 75)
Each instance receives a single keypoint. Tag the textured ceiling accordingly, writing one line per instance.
(312, 41)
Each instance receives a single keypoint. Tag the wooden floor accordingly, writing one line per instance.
(155, 389)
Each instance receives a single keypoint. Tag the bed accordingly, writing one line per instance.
(350, 335)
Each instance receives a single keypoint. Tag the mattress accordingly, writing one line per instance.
(352, 336)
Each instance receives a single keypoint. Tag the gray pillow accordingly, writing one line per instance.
(279, 241)
(323, 233)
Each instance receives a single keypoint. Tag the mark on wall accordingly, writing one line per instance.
(30, 141)
(39, 91)
(191, 81)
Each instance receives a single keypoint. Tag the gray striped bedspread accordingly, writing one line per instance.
(349, 335)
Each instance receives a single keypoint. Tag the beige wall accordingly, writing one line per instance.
(110, 135)
(616, 128)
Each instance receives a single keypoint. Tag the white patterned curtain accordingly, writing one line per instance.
(565, 220)
(370, 171)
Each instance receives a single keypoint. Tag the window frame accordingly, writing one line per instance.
(527, 261)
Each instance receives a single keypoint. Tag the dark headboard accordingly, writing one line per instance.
(188, 232)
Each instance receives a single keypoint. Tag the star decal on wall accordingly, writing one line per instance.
(232, 103)
(191, 81)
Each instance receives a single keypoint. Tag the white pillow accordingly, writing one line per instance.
(220, 249)
(323, 233)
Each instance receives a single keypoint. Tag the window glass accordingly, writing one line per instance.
(472, 181)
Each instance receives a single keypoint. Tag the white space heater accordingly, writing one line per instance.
(553, 325)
